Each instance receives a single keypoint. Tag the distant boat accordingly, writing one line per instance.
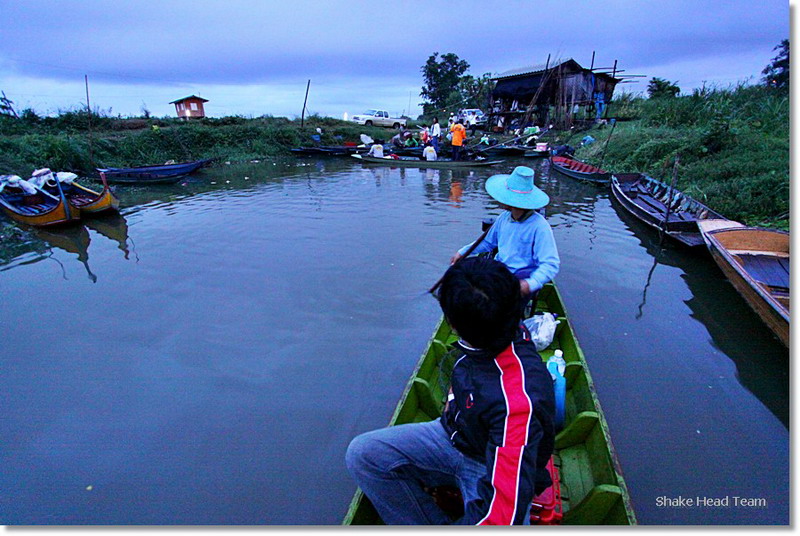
(756, 262)
(326, 150)
(416, 162)
(163, 174)
(542, 150)
(582, 171)
(646, 199)
(34, 206)
(503, 150)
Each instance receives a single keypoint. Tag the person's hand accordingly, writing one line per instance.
(454, 258)
(524, 287)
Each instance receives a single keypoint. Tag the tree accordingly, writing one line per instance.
(658, 88)
(776, 74)
(475, 92)
(441, 75)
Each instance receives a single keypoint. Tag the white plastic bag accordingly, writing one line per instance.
(542, 328)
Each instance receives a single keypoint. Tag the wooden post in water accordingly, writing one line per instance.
(89, 111)
(303, 114)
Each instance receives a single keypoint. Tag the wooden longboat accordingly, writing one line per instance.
(646, 199)
(415, 162)
(88, 201)
(592, 486)
(163, 174)
(756, 262)
(503, 150)
(577, 169)
(40, 209)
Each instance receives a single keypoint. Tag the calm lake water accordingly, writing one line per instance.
(206, 357)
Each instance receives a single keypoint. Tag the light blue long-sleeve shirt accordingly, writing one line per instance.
(527, 248)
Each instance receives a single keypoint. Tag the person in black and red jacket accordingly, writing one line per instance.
(496, 432)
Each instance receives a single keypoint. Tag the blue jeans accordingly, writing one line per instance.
(392, 465)
(435, 142)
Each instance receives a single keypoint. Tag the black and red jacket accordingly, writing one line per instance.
(500, 412)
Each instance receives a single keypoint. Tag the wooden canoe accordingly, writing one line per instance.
(163, 174)
(756, 262)
(582, 171)
(415, 162)
(592, 487)
(646, 199)
(40, 209)
(88, 201)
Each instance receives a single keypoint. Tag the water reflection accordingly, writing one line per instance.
(73, 240)
(114, 227)
(760, 359)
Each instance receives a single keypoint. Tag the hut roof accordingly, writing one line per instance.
(189, 97)
(532, 69)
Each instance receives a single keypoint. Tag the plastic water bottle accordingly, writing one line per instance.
(556, 365)
(560, 364)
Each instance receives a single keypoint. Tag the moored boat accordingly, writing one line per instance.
(592, 488)
(659, 206)
(25, 203)
(756, 262)
(582, 171)
(416, 162)
(88, 201)
(542, 150)
(162, 174)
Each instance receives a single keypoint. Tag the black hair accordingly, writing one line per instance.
(480, 298)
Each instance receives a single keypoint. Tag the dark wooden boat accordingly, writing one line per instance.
(39, 209)
(756, 262)
(646, 198)
(504, 150)
(163, 174)
(592, 487)
(579, 170)
(326, 150)
(542, 150)
(88, 201)
(416, 162)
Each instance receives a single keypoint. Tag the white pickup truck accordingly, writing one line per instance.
(378, 118)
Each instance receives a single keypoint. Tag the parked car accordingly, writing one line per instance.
(378, 118)
(478, 113)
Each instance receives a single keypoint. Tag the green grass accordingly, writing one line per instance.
(63, 142)
(733, 146)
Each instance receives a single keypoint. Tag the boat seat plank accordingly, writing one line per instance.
(767, 269)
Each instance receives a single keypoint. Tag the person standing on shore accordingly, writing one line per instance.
(436, 133)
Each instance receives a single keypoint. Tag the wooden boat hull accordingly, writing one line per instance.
(164, 174)
(39, 210)
(88, 201)
(537, 154)
(579, 170)
(435, 164)
(756, 262)
(636, 193)
(593, 489)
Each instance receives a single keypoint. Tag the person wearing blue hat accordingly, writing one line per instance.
(523, 237)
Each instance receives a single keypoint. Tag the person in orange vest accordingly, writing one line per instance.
(459, 135)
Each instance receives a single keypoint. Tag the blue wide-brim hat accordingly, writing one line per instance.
(517, 189)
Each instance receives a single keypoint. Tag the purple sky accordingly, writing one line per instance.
(255, 57)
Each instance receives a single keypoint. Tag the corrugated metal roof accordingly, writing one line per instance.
(530, 69)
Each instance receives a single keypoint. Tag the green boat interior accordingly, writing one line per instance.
(593, 491)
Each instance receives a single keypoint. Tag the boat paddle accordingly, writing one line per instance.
(669, 199)
(464, 256)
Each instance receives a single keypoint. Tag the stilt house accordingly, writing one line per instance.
(561, 93)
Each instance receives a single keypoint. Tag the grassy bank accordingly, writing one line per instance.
(63, 142)
(733, 146)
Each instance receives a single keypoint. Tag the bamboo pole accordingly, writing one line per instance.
(89, 111)
(303, 113)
